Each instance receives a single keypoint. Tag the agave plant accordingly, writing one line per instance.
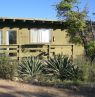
(62, 67)
(30, 67)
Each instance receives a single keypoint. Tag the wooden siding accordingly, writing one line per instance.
(60, 38)
(24, 37)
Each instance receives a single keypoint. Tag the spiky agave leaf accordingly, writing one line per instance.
(30, 67)
(62, 67)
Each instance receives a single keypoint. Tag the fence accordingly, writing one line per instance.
(20, 51)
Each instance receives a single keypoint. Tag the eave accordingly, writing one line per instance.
(31, 23)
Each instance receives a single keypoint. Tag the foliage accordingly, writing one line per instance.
(7, 68)
(69, 10)
(84, 65)
(62, 67)
(92, 73)
(77, 27)
(90, 47)
(64, 6)
(30, 67)
(88, 69)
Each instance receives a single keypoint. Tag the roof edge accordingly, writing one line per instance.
(31, 19)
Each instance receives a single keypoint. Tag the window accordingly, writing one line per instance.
(40, 35)
(11, 37)
(0, 37)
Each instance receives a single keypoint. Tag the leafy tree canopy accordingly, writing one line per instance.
(76, 19)
(78, 28)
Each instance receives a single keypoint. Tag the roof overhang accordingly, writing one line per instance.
(32, 23)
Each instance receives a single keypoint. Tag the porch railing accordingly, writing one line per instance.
(20, 51)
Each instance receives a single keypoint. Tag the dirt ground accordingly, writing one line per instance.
(16, 89)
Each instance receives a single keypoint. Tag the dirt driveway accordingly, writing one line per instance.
(15, 89)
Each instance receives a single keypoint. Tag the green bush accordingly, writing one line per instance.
(30, 67)
(91, 76)
(87, 68)
(84, 65)
(7, 68)
(90, 48)
(62, 67)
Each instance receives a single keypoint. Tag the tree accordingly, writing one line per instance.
(68, 10)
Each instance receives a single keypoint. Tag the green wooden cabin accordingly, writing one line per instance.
(35, 37)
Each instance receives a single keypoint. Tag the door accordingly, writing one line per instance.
(11, 37)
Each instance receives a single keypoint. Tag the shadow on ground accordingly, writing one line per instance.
(6, 95)
(80, 93)
(27, 94)
(36, 94)
(46, 94)
(7, 87)
(63, 92)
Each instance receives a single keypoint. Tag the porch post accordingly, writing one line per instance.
(19, 52)
(72, 48)
(48, 51)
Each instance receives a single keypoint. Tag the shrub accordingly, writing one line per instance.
(62, 67)
(88, 69)
(84, 65)
(90, 48)
(7, 68)
(91, 76)
(30, 67)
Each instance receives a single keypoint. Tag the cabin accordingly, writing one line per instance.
(21, 38)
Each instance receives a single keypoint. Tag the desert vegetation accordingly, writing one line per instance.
(57, 69)
(76, 76)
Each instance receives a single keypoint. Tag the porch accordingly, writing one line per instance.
(18, 52)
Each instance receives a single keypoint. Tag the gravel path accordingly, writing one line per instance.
(16, 89)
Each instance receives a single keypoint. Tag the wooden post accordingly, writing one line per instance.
(19, 52)
(72, 48)
(48, 51)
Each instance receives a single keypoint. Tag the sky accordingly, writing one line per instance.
(42, 9)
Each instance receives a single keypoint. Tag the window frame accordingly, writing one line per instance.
(1, 37)
(37, 40)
